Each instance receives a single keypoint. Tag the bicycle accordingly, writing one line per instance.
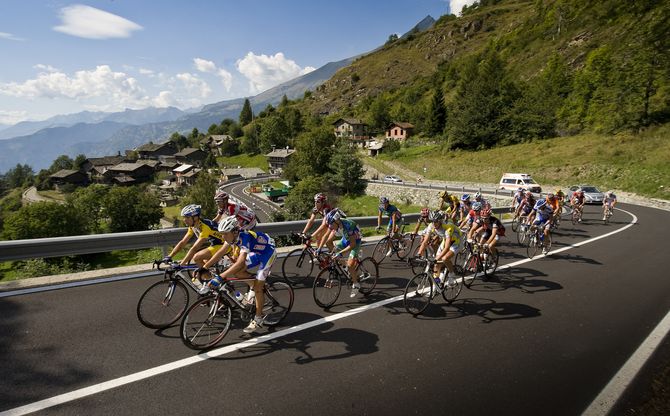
(537, 241)
(208, 320)
(478, 259)
(522, 232)
(577, 215)
(328, 283)
(164, 302)
(608, 214)
(422, 288)
(417, 263)
(388, 245)
(299, 263)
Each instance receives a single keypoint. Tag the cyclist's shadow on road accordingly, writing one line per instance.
(525, 279)
(342, 342)
(491, 311)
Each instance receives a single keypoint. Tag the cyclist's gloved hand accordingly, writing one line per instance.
(167, 259)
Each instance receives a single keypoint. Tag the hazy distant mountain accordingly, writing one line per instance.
(423, 25)
(146, 115)
(40, 149)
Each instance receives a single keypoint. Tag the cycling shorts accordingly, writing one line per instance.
(344, 243)
(260, 263)
(453, 247)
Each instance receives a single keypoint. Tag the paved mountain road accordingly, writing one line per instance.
(544, 338)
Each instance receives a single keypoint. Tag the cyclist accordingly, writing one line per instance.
(480, 198)
(555, 206)
(228, 206)
(492, 229)
(351, 242)
(541, 217)
(424, 219)
(524, 209)
(451, 243)
(517, 198)
(257, 253)
(608, 203)
(206, 233)
(450, 204)
(321, 207)
(466, 206)
(472, 216)
(394, 215)
(578, 201)
(432, 234)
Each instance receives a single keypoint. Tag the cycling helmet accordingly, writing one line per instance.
(425, 212)
(465, 197)
(486, 212)
(477, 206)
(320, 198)
(335, 215)
(229, 225)
(220, 196)
(540, 204)
(609, 194)
(558, 191)
(551, 196)
(383, 200)
(191, 210)
(529, 194)
(436, 216)
(443, 194)
(519, 190)
(478, 195)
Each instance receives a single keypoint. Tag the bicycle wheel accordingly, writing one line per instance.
(522, 235)
(206, 322)
(162, 304)
(368, 273)
(533, 245)
(491, 264)
(405, 246)
(278, 302)
(382, 247)
(453, 286)
(417, 264)
(326, 288)
(471, 269)
(515, 224)
(547, 244)
(575, 217)
(418, 293)
(297, 266)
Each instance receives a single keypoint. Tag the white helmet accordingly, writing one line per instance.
(228, 225)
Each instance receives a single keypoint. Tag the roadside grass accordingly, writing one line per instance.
(172, 213)
(58, 196)
(245, 161)
(638, 163)
(366, 205)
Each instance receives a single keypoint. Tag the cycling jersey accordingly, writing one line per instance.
(609, 200)
(260, 249)
(245, 216)
(553, 204)
(527, 205)
(544, 213)
(578, 199)
(325, 209)
(349, 228)
(447, 230)
(390, 211)
(206, 229)
(492, 224)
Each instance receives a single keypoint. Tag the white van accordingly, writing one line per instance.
(514, 181)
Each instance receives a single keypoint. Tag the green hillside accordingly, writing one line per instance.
(633, 163)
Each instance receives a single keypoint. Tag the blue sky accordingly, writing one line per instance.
(62, 57)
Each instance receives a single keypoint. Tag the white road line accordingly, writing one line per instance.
(131, 378)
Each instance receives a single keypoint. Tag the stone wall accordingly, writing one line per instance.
(422, 197)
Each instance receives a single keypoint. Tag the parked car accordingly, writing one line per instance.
(592, 195)
(514, 181)
(392, 178)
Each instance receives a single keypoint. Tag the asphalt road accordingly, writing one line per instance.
(262, 209)
(543, 339)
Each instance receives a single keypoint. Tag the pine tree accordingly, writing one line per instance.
(246, 115)
(348, 171)
(437, 113)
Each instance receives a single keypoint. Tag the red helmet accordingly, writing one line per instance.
(320, 198)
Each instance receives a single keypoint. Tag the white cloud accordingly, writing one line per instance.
(91, 23)
(9, 36)
(264, 72)
(455, 6)
(12, 116)
(46, 68)
(226, 78)
(204, 65)
(194, 85)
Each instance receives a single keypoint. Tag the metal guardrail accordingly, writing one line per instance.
(100, 243)
(430, 186)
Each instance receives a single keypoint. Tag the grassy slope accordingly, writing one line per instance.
(245, 161)
(631, 163)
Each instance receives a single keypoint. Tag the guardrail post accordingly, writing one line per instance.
(463, 189)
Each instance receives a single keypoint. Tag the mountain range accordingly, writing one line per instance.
(100, 134)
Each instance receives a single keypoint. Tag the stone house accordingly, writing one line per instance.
(67, 176)
(191, 156)
(352, 129)
(399, 130)
(154, 151)
(279, 158)
(129, 173)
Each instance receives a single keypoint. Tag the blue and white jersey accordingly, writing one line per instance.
(255, 242)
(544, 212)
